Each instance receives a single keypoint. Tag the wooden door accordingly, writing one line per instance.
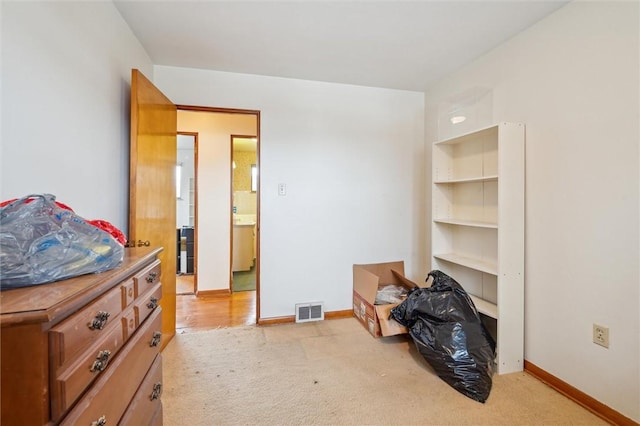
(152, 188)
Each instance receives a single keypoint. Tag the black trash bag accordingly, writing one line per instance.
(448, 332)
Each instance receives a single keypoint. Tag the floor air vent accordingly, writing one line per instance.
(309, 312)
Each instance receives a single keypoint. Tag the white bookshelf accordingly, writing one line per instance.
(478, 228)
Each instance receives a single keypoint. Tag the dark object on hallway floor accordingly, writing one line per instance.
(449, 334)
(188, 233)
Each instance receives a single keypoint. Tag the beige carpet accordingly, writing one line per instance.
(334, 373)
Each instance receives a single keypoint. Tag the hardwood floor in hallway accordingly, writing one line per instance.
(208, 312)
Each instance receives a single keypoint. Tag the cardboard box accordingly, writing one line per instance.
(367, 279)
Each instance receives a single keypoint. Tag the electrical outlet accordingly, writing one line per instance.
(601, 335)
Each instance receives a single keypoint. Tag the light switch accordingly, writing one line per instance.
(282, 189)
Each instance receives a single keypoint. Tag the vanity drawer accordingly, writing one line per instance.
(85, 327)
(69, 383)
(110, 395)
(147, 278)
(146, 402)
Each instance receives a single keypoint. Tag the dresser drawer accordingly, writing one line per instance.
(129, 324)
(147, 303)
(156, 420)
(128, 292)
(70, 382)
(85, 327)
(146, 402)
(147, 278)
(111, 393)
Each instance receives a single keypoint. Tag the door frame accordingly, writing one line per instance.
(231, 161)
(256, 113)
(195, 207)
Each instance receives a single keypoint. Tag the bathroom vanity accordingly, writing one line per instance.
(243, 245)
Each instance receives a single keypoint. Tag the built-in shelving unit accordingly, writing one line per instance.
(478, 228)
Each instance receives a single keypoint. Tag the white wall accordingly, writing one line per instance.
(213, 240)
(66, 72)
(353, 161)
(573, 80)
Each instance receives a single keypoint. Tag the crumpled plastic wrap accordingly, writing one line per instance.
(447, 331)
(41, 242)
(390, 294)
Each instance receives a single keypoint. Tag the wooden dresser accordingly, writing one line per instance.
(84, 351)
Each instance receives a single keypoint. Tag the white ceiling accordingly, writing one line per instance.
(393, 44)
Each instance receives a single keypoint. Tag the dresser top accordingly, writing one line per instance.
(54, 301)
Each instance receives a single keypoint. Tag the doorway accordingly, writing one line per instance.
(186, 184)
(153, 146)
(244, 204)
(215, 129)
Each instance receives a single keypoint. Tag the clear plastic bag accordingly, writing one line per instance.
(41, 242)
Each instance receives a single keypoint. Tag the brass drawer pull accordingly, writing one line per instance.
(99, 321)
(100, 422)
(157, 391)
(101, 361)
(156, 339)
(152, 277)
(153, 303)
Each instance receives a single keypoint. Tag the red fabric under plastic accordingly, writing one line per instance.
(108, 227)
